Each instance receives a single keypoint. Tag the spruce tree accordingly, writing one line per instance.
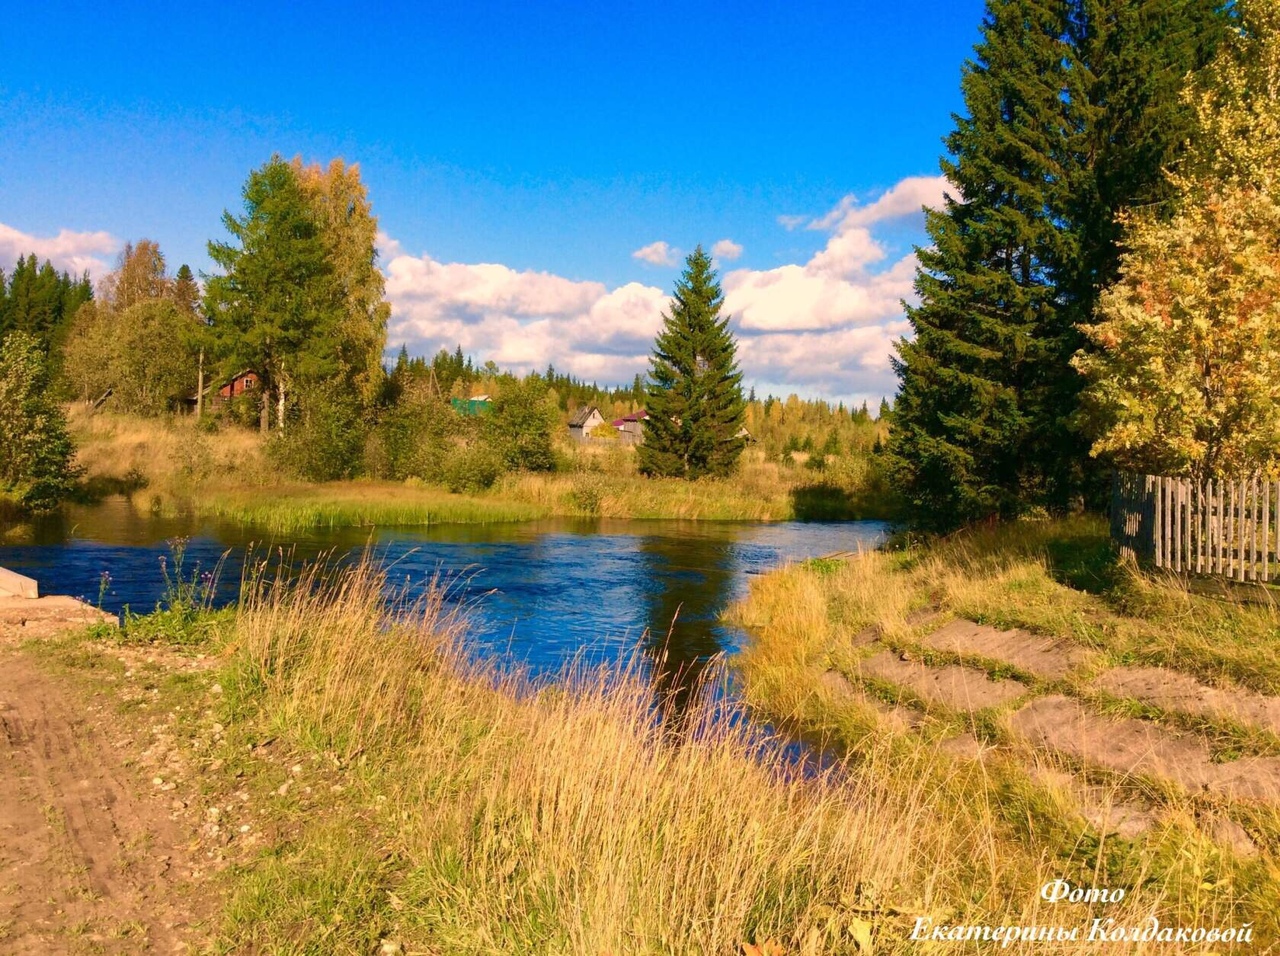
(694, 399)
(36, 455)
(185, 292)
(1053, 146)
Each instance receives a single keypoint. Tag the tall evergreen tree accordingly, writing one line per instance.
(36, 454)
(694, 400)
(1055, 143)
(41, 301)
(340, 205)
(185, 292)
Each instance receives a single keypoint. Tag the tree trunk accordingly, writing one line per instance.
(200, 387)
(264, 420)
(280, 408)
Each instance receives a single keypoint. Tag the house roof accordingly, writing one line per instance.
(634, 417)
(583, 415)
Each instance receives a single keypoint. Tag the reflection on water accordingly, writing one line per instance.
(538, 594)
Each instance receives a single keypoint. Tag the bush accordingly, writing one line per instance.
(521, 424)
(326, 442)
(472, 468)
(412, 439)
(587, 494)
(35, 449)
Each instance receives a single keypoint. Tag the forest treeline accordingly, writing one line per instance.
(299, 302)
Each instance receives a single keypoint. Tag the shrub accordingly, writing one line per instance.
(327, 440)
(587, 494)
(472, 468)
(521, 424)
(412, 439)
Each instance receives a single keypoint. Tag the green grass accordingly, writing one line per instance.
(289, 508)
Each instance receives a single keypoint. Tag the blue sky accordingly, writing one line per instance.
(549, 141)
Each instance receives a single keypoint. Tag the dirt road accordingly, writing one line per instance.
(90, 861)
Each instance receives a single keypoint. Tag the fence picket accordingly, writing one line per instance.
(1266, 531)
(1201, 516)
(1210, 538)
(1183, 550)
(1254, 521)
(1240, 541)
(1217, 526)
(1229, 527)
(1186, 524)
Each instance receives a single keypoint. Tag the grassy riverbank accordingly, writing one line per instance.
(821, 628)
(171, 466)
(358, 784)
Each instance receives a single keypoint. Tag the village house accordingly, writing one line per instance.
(246, 381)
(471, 407)
(584, 421)
(239, 384)
(631, 427)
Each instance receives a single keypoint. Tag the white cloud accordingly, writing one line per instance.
(525, 319)
(822, 327)
(726, 250)
(906, 198)
(71, 251)
(791, 222)
(388, 248)
(837, 289)
(657, 254)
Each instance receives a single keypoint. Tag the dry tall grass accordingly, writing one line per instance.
(566, 819)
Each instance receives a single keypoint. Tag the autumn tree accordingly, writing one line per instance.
(694, 403)
(139, 276)
(1184, 376)
(139, 340)
(349, 230)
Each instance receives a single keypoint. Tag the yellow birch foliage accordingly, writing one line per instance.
(1184, 377)
(341, 204)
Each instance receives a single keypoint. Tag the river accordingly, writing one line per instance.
(537, 594)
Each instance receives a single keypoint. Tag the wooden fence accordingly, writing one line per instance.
(1221, 527)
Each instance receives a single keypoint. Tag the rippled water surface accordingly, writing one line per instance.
(537, 593)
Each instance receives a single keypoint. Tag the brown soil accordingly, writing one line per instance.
(23, 618)
(1056, 726)
(1170, 690)
(88, 863)
(960, 688)
(1043, 657)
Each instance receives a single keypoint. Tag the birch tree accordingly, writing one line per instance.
(1184, 377)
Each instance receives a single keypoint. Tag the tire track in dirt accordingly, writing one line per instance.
(86, 863)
